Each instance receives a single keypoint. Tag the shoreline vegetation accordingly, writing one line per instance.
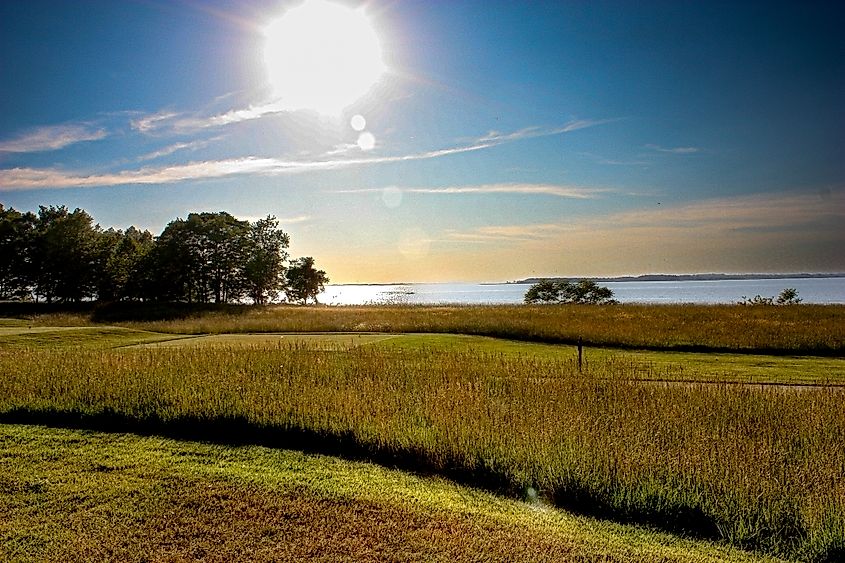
(794, 330)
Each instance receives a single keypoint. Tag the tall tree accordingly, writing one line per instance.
(304, 281)
(200, 259)
(16, 238)
(64, 254)
(170, 269)
(264, 271)
(223, 242)
(119, 259)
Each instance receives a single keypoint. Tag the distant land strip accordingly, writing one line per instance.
(689, 277)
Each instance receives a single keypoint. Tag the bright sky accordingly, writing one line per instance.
(415, 140)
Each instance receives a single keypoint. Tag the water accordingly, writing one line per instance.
(811, 290)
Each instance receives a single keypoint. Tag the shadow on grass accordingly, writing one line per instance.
(678, 518)
(122, 311)
(141, 312)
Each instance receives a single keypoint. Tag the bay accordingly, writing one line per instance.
(811, 290)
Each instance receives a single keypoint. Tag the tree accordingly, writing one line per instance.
(119, 263)
(584, 292)
(304, 281)
(200, 259)
(64, 254)
(544, 291)
(789, 296)
(264, 271)
(16, 238)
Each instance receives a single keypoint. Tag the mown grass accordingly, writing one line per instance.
(759, 468)
(50, 337)
(70, 495)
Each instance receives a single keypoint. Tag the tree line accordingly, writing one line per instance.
(58, 255)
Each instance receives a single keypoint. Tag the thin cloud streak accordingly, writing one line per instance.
(15, 179)
(52, 137)
(282, 220)
(184, 122)
(572, 192)
(674, 150)
(176, 147)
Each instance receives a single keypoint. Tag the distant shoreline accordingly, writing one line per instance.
(642, 278)
(688, 277)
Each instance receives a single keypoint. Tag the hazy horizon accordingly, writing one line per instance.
(444, 141)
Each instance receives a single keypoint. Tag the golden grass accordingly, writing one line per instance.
(760, 468)
(818, 329)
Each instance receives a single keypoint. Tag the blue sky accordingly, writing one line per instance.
(502, 140)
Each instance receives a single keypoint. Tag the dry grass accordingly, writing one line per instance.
(760, 468)
(818, 329)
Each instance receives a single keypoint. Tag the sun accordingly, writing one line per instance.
(322, 56)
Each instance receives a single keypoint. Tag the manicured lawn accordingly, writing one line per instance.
(46, 337)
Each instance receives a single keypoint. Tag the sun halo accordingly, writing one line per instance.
(322, 56)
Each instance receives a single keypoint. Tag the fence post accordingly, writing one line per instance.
(580, 353)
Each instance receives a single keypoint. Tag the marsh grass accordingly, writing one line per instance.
(799, 329)
(760, 468)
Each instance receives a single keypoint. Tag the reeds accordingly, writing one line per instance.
(762, 468)
(815, 329)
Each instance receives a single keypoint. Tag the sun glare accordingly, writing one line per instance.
(322, 56)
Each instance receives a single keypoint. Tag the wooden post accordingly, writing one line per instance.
(580, 353)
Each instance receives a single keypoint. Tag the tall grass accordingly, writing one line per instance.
(761, 468)
(817, 329)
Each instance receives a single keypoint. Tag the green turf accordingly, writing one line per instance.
(318, 341)
(72, 496)
(76, 336)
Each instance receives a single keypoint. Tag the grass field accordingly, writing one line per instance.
(684, 366)
(757, 467)
(73, 496)
(800, 329)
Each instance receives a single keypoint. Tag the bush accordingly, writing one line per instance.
(788, 296)
(584, 291)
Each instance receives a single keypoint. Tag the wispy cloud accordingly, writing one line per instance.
(35, 178)
(187, 122)
(534, 131)
(611, 161)
(717, 218)
(674, 150)
(508, 233)
(176, 147)
(283, 221)
(52, 137)
(573, 192)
